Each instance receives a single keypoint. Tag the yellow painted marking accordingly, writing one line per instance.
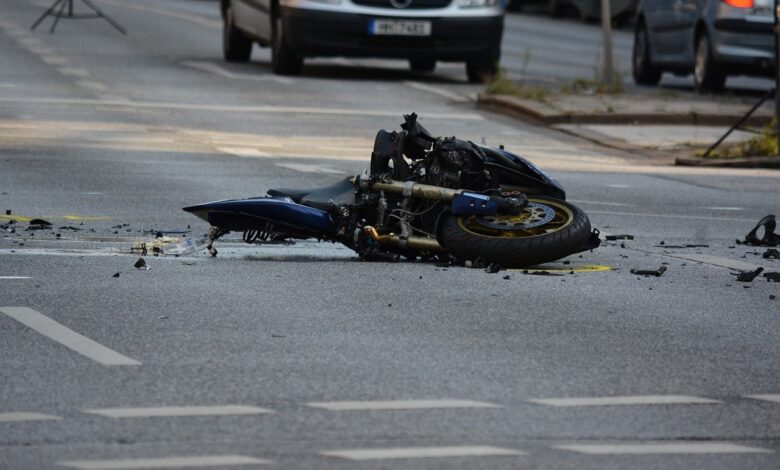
(22, 218)
(586, 268)
(17, 218)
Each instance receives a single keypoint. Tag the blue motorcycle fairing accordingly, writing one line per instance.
(514, 170)
(255, 213)
(472, 203)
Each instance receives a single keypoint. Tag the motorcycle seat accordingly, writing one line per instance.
(325, 198)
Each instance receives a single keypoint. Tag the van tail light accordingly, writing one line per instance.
(739, 3)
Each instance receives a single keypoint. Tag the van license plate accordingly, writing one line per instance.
(399, 28)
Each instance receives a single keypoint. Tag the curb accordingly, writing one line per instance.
(756, 162)
(537, 111)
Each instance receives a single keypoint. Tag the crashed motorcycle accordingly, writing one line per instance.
(430, 198)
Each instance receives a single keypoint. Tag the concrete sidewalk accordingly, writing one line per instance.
(671, 124)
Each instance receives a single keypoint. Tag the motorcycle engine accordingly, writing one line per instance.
(455, 163)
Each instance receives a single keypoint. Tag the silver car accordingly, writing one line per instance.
(710, 38)
(422, 31)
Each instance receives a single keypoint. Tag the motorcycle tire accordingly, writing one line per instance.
(543, 241)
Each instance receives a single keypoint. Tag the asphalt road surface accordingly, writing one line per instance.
(302, 356)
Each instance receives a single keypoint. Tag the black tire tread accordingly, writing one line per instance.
(516, 252)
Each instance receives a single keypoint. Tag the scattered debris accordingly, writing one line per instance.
(618, 237)
(39, 224)
(771, 253)
(115, 275)
(507, 277)
(68, 227)
(748, 276)
(696, 246)
(493, 268)
(163, 317)
(278, 336)
(649, 272)
(141, 264)
(8, 212)
(771, 297)
(541, 273)
(772, 277)
(768, 238)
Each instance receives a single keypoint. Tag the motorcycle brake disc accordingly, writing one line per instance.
(533, 215)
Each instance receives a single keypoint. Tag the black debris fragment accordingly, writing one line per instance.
(68, 227)
(768, 238)
(619, 237)
(39, 224)
(507, 277)
(566, 262)
(140, 264)
(771, 253)
(115, 275)
(772, 297)
(8, 212)
(541, 273)
(772, 277)
(649, 272)
(493, 268)
(748, 276)
(696, 246)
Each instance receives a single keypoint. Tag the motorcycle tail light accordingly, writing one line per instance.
(739, 3)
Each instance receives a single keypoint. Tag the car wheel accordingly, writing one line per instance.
(707, 74)
(235, 46)
(422, 65)
(479, 72)
(645, 73)
(555, 8)
(284, 61)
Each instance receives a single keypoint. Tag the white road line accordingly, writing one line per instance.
(21, 416)
(616, 204)
(399, 405)
(165, 462)
(623, 186)
(240, 108)
(773, 398)
(663, 448)
(14, 277)
(92, 85)
(174, 411)
(673, 216)
(420, 452)
(243, 151)
(724, 208)
(223, 72)
(73, 72)
(54, 60)
(437, 91)
(67, 337)
(305, 168)
(625, 400)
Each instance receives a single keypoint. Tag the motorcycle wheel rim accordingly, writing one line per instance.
(563, 217)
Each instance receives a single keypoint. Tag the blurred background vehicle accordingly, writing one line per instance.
(588, 10)
(710, 39)
(421, 31)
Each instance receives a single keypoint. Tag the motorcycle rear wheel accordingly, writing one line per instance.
(529, 240)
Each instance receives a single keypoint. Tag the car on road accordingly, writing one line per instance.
(710, 38)
(421, 31)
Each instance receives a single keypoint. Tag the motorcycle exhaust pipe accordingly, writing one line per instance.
(412, 242)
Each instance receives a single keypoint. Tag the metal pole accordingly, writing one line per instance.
(608, 74)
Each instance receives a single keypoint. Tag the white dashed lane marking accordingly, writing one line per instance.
(772, 398)
(175, 411)
(166, 462)
(306, 168)
(21, 416)
(13, 277)
(663, 448)
(399, 405)
(421, 452)
(625, 400)
(67, 337)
